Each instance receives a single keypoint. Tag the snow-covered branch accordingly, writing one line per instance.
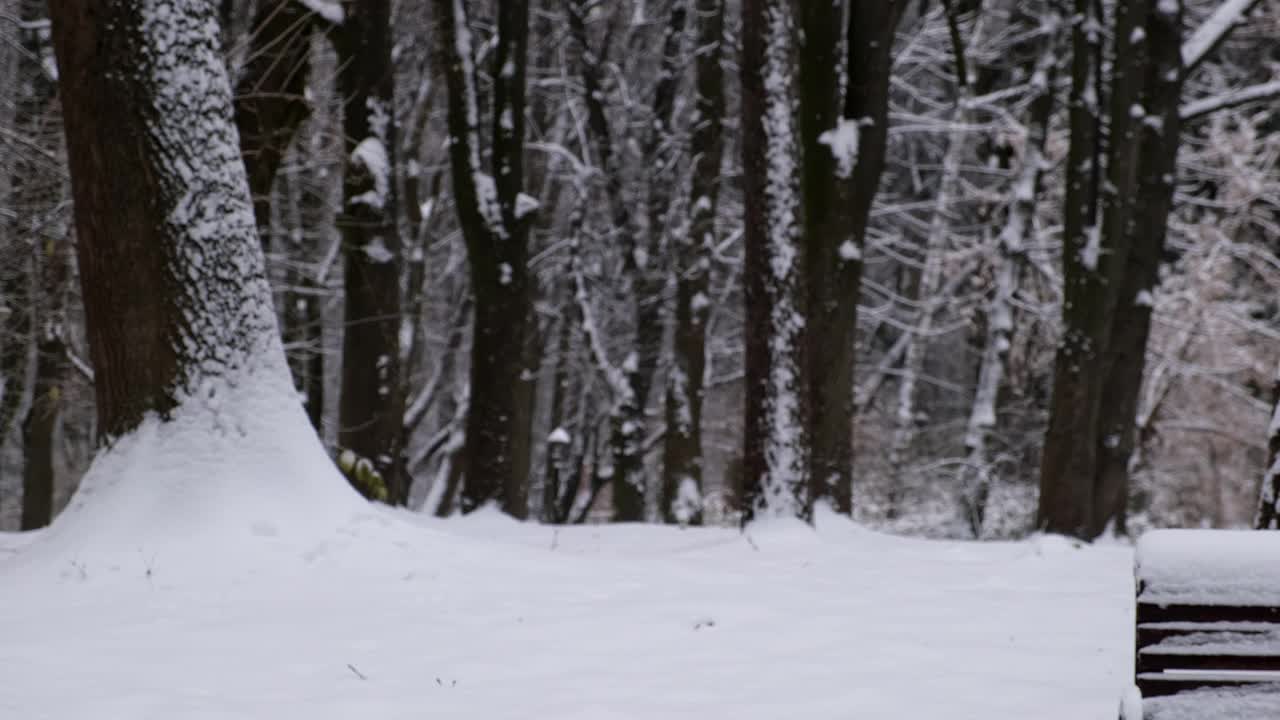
(1230, 99)
(1214, 31)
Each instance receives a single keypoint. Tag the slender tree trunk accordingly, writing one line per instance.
(371, 403)
(1158, 141)
(1067, 463)
(776, 438)
(640, 284)
(29, 185)
(306, 290)
(172, 275)
(51, 243)
(681, 496)
(1011, 257)
(844, 159)
(559, 444)
(494, 216)
(934, 251)
(41, 423)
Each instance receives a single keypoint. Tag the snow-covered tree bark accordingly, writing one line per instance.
(682, 464)
(775, 433)
(1011, 249)
(936, 241)
(494, 216)
(179, 309)
(626, 469)
(371, 402)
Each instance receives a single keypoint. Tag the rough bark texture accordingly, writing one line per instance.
(170, 266)
(494, 224)
(776, 442)
(371, 403)
(838, 207)
(1157, 141)
(1067, 462)
(681, 495)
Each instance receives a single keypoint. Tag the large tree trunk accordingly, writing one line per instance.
(494, 216)
(776, 440)
(371, 402)
(844, 157)
(681, 496)
(1158, 142)
(174, 287)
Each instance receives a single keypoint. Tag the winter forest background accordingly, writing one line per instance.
(868, 231)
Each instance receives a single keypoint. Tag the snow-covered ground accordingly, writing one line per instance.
(395, 616)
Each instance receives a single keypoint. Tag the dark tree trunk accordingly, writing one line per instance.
(270, 97)
(1067, 463)
(172, 275)
(1157, 142)
(41, 423)
(35, 287)
(776, 442)
(494, 216)
(371, 403)
(681, 496)
(838, 194)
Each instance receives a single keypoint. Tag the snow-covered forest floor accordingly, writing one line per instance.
(396, 616)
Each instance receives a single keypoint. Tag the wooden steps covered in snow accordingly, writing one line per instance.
(1207, 616)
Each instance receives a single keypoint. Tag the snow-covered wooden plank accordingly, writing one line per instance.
(1237, 703)
(1209, 567)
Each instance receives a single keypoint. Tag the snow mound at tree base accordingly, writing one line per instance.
(234, 480)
